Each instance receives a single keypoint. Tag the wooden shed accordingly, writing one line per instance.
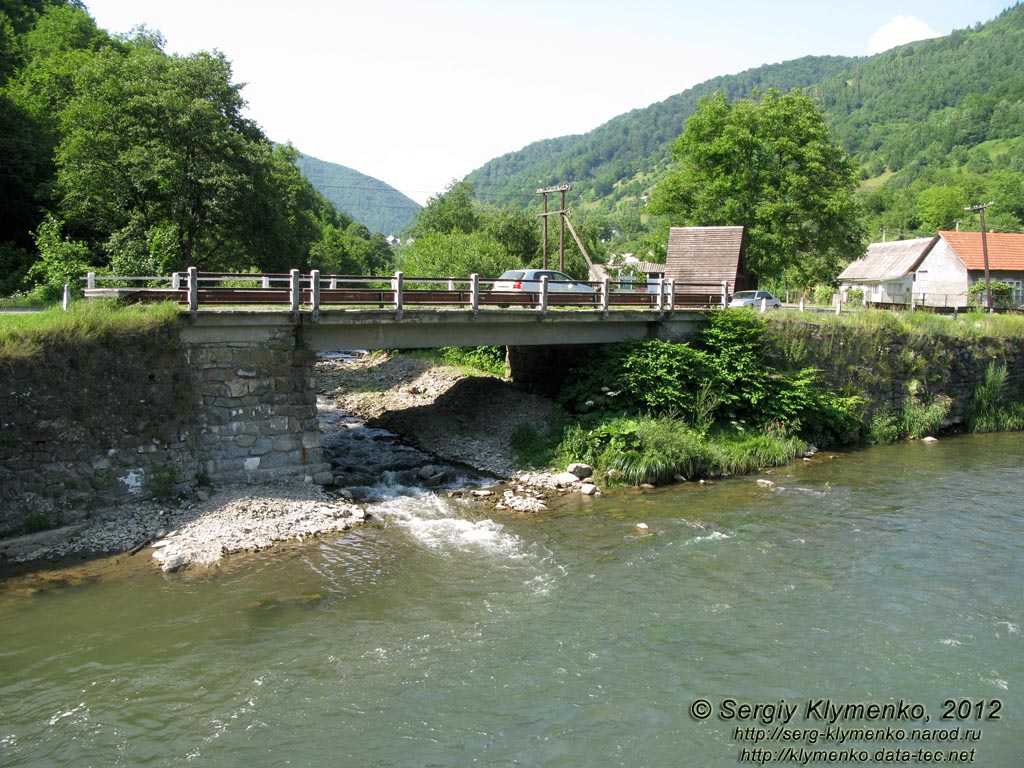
(707, 255)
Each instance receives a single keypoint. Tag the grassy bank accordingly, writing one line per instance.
(25, 334)
(748, 393)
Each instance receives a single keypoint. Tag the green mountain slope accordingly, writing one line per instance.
(915, 112)
(631, 147)
(380, 207)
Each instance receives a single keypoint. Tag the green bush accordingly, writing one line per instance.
(990, 408)
(884, 427)
(922, 419)
(490, 359)
(655, 450)
(531, 446)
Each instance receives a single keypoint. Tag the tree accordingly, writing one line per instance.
(767, 164)
(451, 211)
(151, 140)
(456, 254)
(940, 207)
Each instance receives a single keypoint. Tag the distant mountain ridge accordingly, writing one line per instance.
(913, 111)
(370, 201)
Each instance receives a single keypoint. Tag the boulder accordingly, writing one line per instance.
(580, 471)
(565, 478)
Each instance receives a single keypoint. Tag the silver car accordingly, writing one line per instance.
(754, 299)
(529, 280)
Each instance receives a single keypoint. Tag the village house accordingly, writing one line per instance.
(885, 275)
(935, 272)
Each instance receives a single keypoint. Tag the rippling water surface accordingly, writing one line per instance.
(445, 638)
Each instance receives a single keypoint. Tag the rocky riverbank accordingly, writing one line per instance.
(199, 531)
(438, 409)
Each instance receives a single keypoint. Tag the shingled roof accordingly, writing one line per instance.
(1005, 250)
(706, 255)
(889, 261)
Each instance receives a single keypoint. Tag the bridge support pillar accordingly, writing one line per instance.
(257, 409)
(543, 368)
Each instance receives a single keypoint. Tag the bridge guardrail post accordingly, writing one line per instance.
(606, 294)
(544, 294)
(314, 291)
(90, 279)
(672, 296)
(398, 285)
(266, 281)
(725, 294)
(176, 281)
(294, 289)
(474, 292)
(661, 294)
(193, 289)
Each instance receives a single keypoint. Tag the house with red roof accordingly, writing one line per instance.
(936, 271)
(956, 261)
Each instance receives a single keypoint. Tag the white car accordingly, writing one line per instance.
(529, 280)
(754, 300)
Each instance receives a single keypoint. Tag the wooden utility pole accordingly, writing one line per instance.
(980, 210)
(563, 188)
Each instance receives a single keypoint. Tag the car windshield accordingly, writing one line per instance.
(512, 274)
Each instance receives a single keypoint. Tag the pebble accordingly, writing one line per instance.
(231, 519)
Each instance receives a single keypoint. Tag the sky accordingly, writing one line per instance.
(419, 93)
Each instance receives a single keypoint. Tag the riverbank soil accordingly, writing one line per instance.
(468, 419)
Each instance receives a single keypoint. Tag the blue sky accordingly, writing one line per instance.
(418, 93)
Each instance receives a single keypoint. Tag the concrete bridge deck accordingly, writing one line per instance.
(428, 328)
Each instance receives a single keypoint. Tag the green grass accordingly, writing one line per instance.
(25, 335)
(966, 325)
(658, 449)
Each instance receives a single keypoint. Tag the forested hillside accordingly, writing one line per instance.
(932, 127)
(369, 201)
(116, 156)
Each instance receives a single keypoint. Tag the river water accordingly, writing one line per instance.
(442, 637)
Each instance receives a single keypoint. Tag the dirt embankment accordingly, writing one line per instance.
(438, 409)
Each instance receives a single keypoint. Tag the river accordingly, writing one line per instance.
(440, 637)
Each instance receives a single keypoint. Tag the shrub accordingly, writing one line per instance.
(884, 427)
(636, 377)
(921, 419)
(531, 446)
(647, 449)
(489, 359)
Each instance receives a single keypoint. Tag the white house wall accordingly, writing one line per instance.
(941, 279)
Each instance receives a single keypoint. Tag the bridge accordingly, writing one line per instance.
(248, 343)
(398, 312)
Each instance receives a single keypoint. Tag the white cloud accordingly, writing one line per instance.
(902, 29)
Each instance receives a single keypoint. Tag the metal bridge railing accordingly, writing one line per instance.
(315, 291)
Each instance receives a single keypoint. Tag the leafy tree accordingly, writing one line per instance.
(456, 254)
(451, 211)
(767, 164)
(61, 261)
(940, 207)
(151, 138)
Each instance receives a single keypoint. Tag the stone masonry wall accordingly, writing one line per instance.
(257, 410)
(87, 424)
(891, 368)
(82, 424)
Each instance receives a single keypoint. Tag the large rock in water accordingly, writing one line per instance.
(580, 470)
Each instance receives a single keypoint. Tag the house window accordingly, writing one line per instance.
(1018, 291)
